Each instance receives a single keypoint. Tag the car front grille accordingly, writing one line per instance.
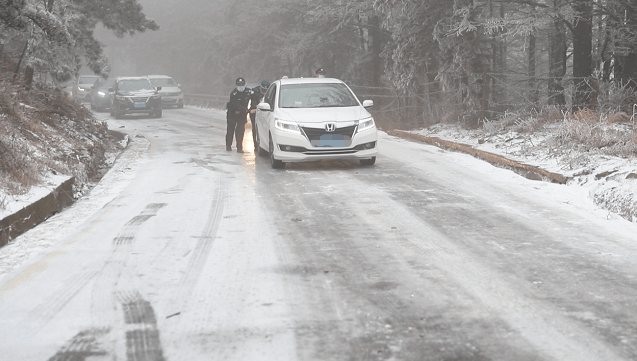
(172, 94)
(139, 99)
(314, 134)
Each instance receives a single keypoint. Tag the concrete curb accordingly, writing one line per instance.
(35, 213)
(525, 170)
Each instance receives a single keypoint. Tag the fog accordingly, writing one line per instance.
(203, 45)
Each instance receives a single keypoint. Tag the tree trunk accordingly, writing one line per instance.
(24, 51)
(376, 50)
(585, 94)
(498, 80)
(532, 80)
(627, 62)
(557, 61)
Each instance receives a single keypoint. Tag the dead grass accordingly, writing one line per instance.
(43, 130)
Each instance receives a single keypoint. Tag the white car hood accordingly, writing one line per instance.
(169, 89)
(322, 115)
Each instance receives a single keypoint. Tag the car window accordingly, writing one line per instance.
(269, 96)
(134, 84)
(105, 84)
(87, 79)
(163, 82)
(316, 96)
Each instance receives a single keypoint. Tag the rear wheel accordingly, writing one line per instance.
(369, 161)
(274, 163)
(257, 146)
(157, 114)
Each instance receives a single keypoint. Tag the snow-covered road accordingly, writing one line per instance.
(187, 252)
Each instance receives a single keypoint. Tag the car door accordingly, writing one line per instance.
(264, 118)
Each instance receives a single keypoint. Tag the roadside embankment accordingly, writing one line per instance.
(37, 212)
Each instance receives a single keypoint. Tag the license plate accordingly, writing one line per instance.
(140, 105)
(332, 140)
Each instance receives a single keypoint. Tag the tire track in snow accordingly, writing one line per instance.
(142, 336)
(205, 241)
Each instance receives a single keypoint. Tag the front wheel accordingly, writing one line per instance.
(158, 114)
(257, 146)
(369, 161)
(274, 163)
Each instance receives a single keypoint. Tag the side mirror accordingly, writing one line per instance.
(368, 103)
(158, 88)
(264, 107)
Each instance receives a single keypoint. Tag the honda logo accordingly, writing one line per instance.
(330, 127)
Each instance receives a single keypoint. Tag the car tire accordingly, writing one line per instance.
(274, 163)
(180, 106)
(158, 113)
(369, 161)
(259, 150)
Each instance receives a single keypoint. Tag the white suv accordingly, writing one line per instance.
(82, 89)
(309, 119)
(170, 92)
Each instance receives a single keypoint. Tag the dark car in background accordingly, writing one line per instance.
(133, 95)
(100, 96)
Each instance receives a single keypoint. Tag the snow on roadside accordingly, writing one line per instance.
(48, 234)
(610, 181)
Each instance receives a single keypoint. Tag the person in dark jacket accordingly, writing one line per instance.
(257, 96)
(236, 117)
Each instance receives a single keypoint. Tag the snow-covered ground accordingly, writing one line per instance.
(610, 181)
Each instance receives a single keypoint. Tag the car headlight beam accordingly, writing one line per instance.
(287, 126)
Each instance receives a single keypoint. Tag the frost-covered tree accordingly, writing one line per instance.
(58, 34)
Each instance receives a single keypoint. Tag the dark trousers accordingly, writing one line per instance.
(236, 128)
(253, 116)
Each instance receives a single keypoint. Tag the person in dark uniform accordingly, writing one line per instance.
(257, 96)
(236, 117)
(319, 73)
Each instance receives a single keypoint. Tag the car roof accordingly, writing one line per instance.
(131, 77)
(157, 76)
(310, 80)
(87, 76)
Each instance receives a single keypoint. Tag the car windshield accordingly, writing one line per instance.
(87, 79)
(316, 96)
(105, 84)
(134, 84)
(163, 82)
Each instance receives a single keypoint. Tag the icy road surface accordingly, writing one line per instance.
(187, 252)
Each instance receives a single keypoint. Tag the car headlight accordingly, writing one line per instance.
(101, 93)
(365, 124)
(120, 97)
(287, 126)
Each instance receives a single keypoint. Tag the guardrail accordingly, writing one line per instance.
(206, 100)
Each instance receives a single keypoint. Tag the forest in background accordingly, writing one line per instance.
(421, 61)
